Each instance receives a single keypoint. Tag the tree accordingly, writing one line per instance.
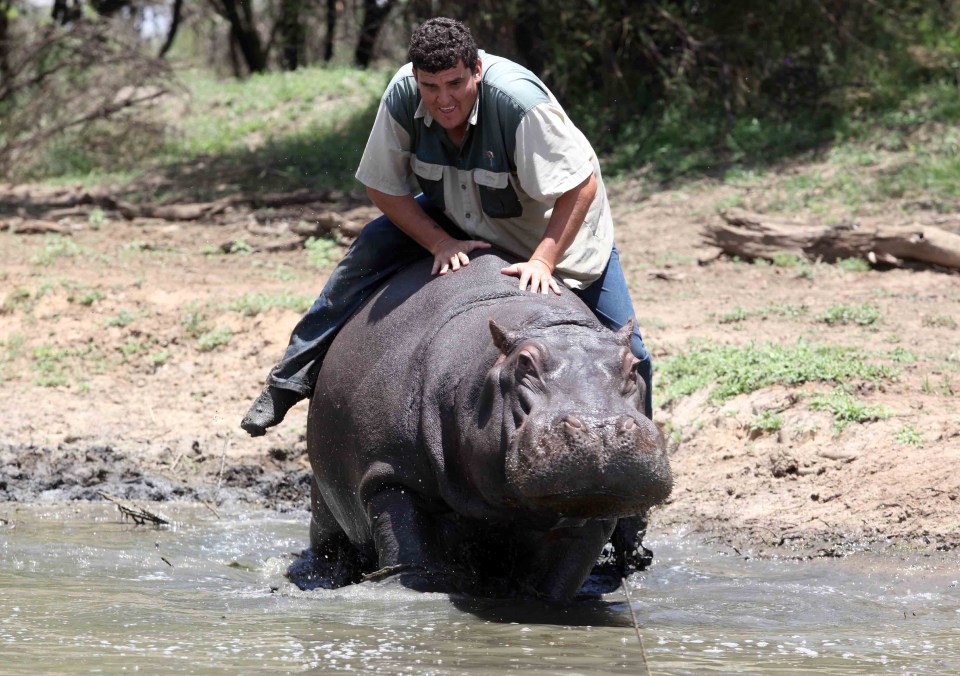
(374, 15)
(243, 32)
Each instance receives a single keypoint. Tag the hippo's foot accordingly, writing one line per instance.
(336, 563)
(422, 578)
(269, 409)
(627, 540)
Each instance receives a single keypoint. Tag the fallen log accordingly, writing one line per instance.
(750, 235)
(32, 226)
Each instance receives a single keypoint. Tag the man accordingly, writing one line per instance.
(497, 161)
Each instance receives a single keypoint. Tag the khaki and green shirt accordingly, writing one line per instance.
(520, 153)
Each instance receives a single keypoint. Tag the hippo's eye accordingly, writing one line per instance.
(528, 365)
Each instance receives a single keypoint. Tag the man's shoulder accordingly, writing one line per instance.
(402, 96)
(512, 84)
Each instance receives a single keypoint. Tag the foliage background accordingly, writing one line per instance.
(668, 89)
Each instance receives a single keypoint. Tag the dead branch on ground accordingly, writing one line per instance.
(750, 235)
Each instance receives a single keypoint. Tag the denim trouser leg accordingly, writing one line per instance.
(379, 251)
(609, 299)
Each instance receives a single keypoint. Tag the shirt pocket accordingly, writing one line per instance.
(498, 199)
(430, 179)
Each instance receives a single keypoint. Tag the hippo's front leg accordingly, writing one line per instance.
(406, 539)
(567, 556)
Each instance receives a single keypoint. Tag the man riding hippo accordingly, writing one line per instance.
(497, 161)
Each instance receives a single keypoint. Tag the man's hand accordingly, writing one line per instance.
(451, 254)
(535, 272)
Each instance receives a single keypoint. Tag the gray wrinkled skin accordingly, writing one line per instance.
(472, 437)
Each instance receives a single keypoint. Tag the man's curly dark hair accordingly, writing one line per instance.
(440, 44)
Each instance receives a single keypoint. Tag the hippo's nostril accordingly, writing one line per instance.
(573, 421)
(627, 424)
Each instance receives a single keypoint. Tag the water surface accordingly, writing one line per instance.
(83, 591)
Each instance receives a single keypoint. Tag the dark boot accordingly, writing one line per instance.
(269, 409)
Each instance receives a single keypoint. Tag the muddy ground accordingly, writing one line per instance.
(130, 350)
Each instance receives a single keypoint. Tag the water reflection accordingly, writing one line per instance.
(82, 591)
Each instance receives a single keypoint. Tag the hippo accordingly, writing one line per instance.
(466, 436)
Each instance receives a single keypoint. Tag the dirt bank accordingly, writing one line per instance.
(129, 351)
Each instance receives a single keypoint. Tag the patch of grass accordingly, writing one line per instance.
(846, 409)
(159, 358)
(766, 422)
(252, 304)
(864, 314)
(97, 218)
(739, 314)
(939, 321)
(54, 366)
(241, 247)
(730, 370)
(321, 251)
(88, 298)
(194, 321)
(908, 435)
(131, 348)
(122, 319)
(19, 298)
(211, 340)
(54, 248)
(901, 355)
(853, 265)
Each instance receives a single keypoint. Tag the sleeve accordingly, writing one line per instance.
(552, 156)
(385, 165)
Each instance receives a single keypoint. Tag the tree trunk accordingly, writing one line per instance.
(293, 37)
(243, 31)
(757, 236)
(374, 14)
(64, 12)
(4, 41)
(331, 30)
(176, 13)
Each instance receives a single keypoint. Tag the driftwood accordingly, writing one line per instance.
(135, 511)
(32, 226)
(60, 200)
(751, 235)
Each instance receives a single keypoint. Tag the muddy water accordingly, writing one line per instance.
(82, 591)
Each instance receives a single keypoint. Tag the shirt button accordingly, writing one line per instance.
(468, 215)
(463, 186)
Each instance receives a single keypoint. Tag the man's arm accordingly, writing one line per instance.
(569, 212)
(404, 212)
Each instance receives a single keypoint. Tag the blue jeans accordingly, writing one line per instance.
(382, 249)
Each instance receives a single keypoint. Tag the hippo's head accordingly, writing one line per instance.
(576, 440)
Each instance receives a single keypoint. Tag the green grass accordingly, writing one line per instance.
(62, 366)
(122, 319)
(908, 435)
(54, 248)
(846, 409)
(766, 422)
(729, 370)
(252, 304)
(864, 314)
(211, 340)
(939, 321)
(322, 251)
(739, 314)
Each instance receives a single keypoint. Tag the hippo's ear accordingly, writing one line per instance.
(624, 334)
(500, 338)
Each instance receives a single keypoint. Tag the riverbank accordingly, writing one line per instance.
(130, 349)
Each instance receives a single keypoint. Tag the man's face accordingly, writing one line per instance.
(449, 94)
